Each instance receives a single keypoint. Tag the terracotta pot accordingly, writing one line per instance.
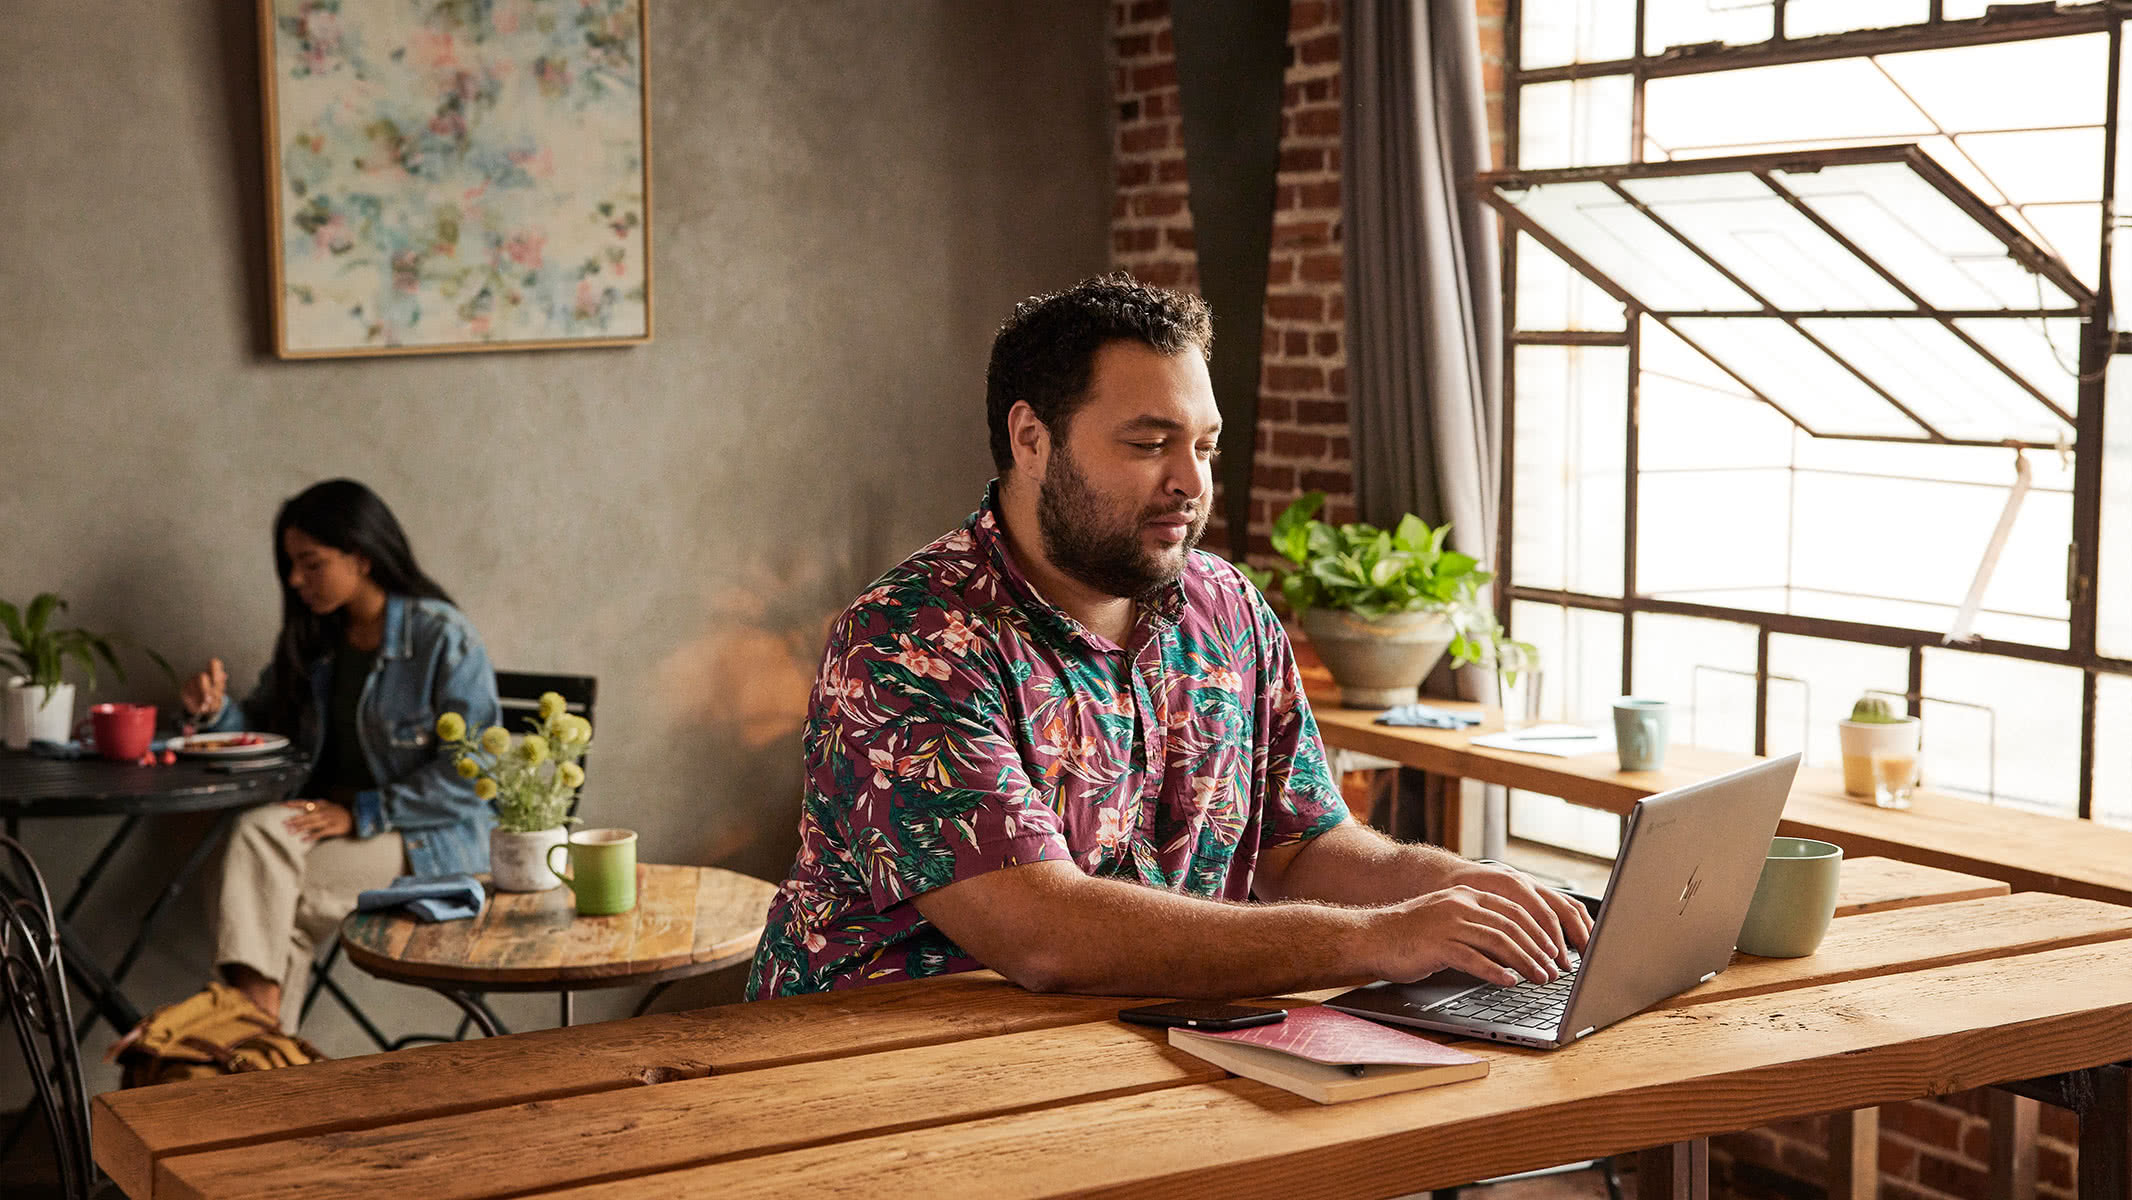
(518, 862)
(1378, 662)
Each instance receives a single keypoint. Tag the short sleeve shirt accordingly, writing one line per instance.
(962, 724)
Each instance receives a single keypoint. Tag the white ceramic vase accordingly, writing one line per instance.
(518, 862)
(1863, 739)
(30, 716)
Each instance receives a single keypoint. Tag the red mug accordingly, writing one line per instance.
(123, 731)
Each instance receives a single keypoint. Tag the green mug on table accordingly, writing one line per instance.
(603, 870)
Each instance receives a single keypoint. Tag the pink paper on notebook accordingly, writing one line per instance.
(1322, 1035)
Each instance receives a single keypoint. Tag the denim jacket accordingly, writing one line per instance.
(429, 661)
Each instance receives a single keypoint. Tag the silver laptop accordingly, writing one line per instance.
(1673, 909)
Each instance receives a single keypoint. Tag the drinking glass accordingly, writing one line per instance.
(1894, 777)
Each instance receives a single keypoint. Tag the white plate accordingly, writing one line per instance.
(209, 745)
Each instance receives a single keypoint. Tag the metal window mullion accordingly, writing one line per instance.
(1769, 310)
(1569, 337)
(1761, 690)
(1946, 322)
(1507, 266)
(2035, 314)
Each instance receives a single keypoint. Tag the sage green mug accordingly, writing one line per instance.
(603, 870)
(1795, 899)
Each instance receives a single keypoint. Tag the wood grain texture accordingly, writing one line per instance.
(1909, 939)
(1657, 1078)
(133, 1127)
(1878, 884)
(587, 1138)
(687, 920)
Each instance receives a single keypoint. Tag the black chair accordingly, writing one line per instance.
(518, 693)
(37, 1004)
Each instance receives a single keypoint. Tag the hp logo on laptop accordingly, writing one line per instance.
(1687, 894)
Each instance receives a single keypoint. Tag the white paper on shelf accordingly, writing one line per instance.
(1559, 741)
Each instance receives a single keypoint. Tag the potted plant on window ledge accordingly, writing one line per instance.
(1383, 606)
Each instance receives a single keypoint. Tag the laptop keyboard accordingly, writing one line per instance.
(1524, 1005)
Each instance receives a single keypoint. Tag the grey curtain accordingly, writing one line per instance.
(1424, 296)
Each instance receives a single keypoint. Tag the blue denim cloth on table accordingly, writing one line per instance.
(427, 897)
(430, 661)
(1423, 716)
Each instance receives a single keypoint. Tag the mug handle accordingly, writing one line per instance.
(568, 880)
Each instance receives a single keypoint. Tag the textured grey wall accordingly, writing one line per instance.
(847, 198)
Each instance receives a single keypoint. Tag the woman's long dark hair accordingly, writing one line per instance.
(349, 517)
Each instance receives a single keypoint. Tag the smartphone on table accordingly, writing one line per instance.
(1203, 1014)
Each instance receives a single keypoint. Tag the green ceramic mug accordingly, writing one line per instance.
(603, 870)
(1795, 899)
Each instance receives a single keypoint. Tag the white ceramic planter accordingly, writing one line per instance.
(31, 717)
(518, 862)
(1378, 662)
(1862, 739)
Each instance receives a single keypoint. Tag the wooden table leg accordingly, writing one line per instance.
(1854, 1155)
(2013, 1145)
(1680, 1171)
(2101, 1097)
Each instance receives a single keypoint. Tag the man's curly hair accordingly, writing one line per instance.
(1045, 353)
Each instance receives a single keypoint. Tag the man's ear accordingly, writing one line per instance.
(1030, 440)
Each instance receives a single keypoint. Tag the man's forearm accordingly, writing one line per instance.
(1354, 864)
(1109, 937)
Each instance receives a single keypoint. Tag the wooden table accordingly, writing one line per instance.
(2030, 851)
(688, 921)
(33, 787)
(969, 1086)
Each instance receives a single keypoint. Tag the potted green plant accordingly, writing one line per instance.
(529, 781)
(1874, 727)
(39, 703)
(1382, 606)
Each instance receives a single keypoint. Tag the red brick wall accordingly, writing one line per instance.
(1929, 1150)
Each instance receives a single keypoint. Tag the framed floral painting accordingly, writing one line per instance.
(452, 175)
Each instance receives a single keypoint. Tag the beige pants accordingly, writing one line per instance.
(278, 897)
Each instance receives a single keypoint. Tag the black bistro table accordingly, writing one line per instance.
(35, 788)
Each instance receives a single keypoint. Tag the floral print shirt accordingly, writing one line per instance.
(961, 724)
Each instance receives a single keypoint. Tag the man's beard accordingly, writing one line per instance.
(1081, 538)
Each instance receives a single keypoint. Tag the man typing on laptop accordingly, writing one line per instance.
(1061, 743)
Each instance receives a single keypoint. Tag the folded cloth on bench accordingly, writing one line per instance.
(1423, 716)
(427, 897)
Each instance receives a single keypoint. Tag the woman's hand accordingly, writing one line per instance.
(203, 693)
(317, 819)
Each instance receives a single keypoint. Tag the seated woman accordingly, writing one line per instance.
(371, 653)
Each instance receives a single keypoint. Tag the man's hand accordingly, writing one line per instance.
(1461, 927)
(1561, 921)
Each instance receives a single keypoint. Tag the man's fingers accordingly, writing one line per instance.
(1473, 962)
(1576, 922)
(1524, 925)
(1500, 947)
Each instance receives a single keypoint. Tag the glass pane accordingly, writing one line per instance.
(1706, 668)
(1692, 22)
(2121, 264)
(1692, 416)
(2021, 746)
(2113, 610)
(1567, 31)
(1766, 242)
(2072, 232)
(1912, 229)
(1928, 538)
(1552, 295)
(1796, 376)
(1938, 377)
(1830, 677)
(1806, 18)
(1840, 98)
(2113, 750)
(1580, 665)
(1597, 225)
(2033, 84)
(1574, 123)
(1572, 426)
(2040, 167)
(1699, 531)
(2044, 352)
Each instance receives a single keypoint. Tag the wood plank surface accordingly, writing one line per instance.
(731, 910)
(132, 1128)
(586, 1138)
(1656, 1078)
(665, 917)
(1874, 884)
(1909, 939)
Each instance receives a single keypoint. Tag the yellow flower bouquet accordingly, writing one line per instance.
(530, 780)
